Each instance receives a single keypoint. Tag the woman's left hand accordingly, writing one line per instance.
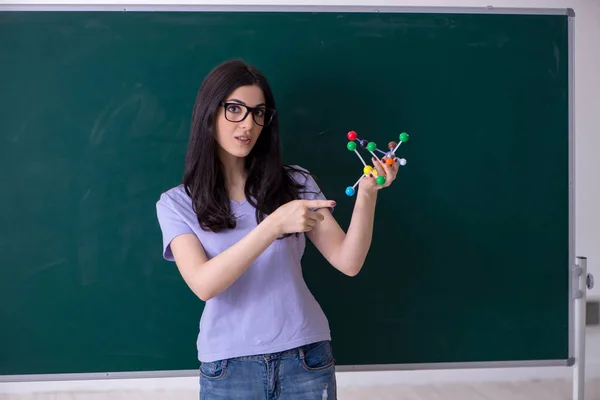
(389, 172)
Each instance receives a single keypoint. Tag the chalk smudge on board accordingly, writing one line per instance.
(554, 73)
(85, 196)
(46, 266)
(138, 111)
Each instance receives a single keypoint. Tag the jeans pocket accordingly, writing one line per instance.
(317, 356)
(213, 370)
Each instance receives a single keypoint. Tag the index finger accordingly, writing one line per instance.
(379, 166)
(316, 204)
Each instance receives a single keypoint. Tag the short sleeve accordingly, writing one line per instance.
(171, 224)
(311, 190)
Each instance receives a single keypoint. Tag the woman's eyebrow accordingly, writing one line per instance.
(241, 102)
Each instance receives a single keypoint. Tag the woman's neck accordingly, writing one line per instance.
(234, 170)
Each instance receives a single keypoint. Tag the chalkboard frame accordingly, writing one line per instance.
(572, 329)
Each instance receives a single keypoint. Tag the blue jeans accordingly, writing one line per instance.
(303, 373)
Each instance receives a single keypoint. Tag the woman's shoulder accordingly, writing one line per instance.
(175, 198)
(298, 173)
(306, 180)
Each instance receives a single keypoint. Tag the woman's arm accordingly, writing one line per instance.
(347, 251)
(208, 278)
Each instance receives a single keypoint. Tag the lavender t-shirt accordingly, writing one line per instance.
(266, 310)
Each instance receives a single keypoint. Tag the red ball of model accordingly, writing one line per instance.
(351, 135)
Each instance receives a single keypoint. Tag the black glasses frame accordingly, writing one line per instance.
(249, 110)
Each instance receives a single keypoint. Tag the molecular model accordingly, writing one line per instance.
(388, 157)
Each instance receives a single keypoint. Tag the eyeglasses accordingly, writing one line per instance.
(236, 112)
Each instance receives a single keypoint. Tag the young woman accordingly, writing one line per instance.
(236, 230)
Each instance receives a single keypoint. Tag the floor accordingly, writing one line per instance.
(533, 390)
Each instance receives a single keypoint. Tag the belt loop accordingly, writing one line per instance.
(301, 352)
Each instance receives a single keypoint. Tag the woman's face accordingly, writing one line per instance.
(237, 130)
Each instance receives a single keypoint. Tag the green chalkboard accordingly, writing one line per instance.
(470, 257)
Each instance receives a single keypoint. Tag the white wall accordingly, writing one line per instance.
(587, 208)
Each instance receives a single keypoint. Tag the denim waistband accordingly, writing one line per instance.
(295, 352)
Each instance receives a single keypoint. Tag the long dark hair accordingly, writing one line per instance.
(269, 183)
